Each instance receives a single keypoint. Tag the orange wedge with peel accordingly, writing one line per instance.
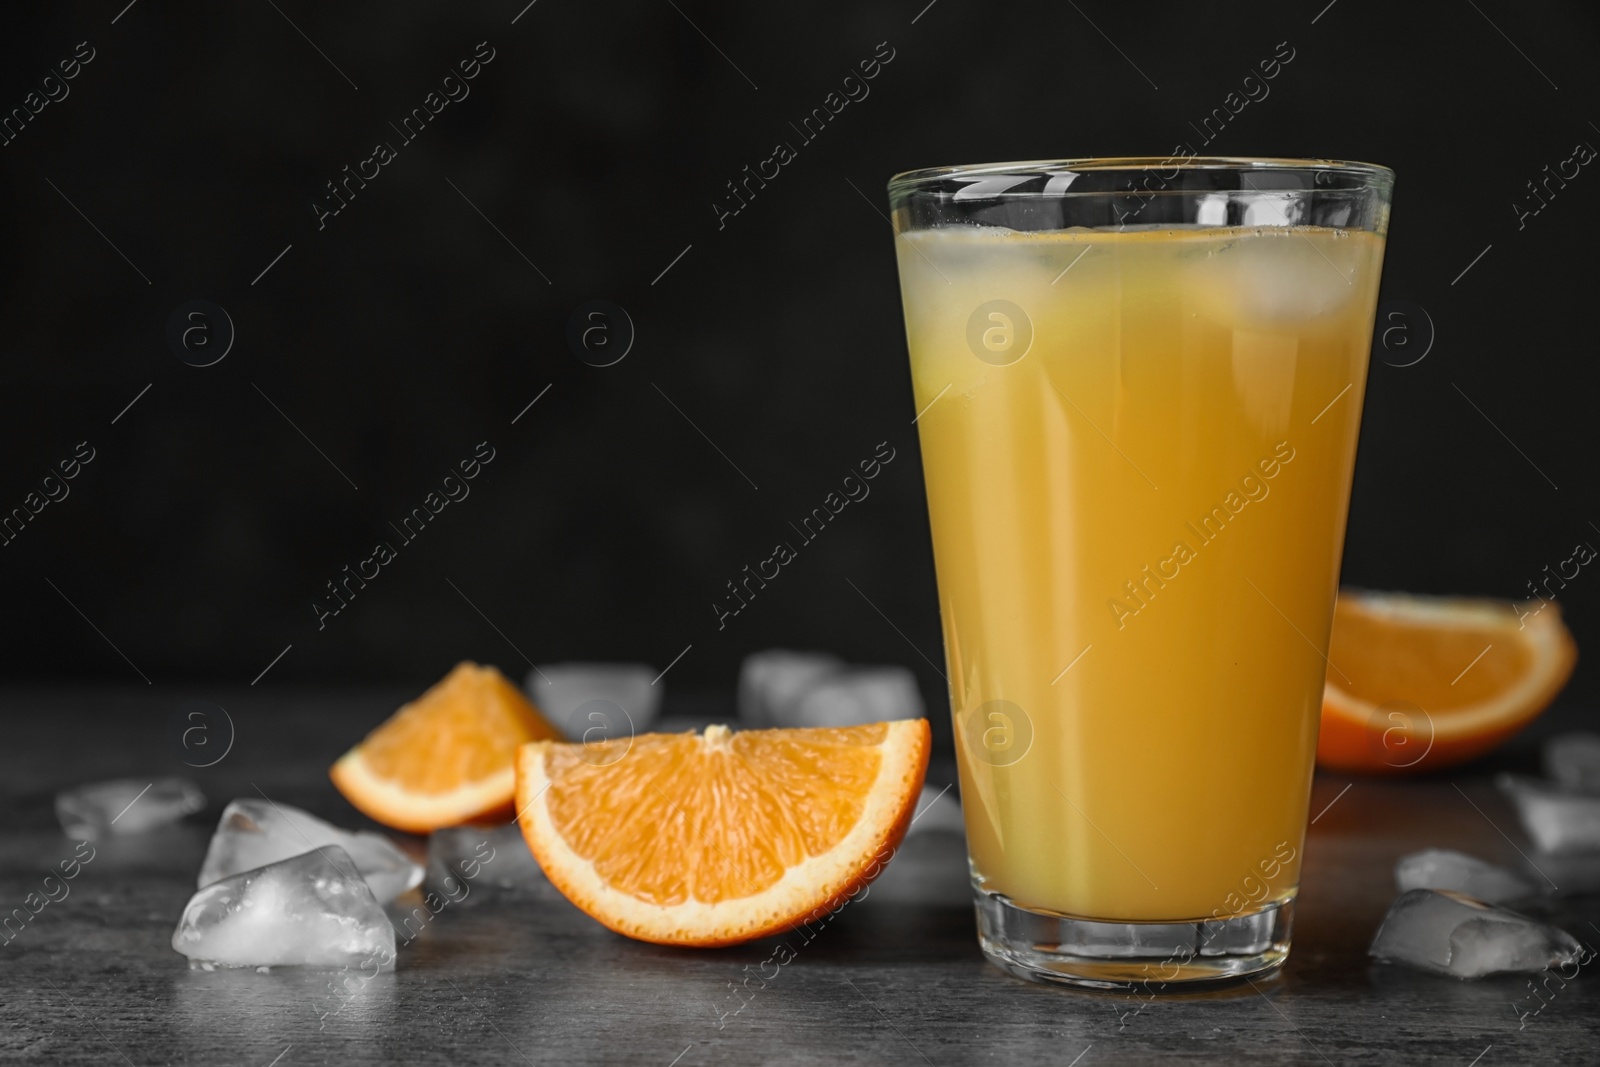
(447, 757)
(718, 838)
(1418, 683)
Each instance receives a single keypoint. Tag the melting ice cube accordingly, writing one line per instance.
(1574, 761)
(311, 911)
(1276, 278)
(770, 681)
(472, 862)
(125, 806)
(590, 701)
(854, 696)
(1440, 868)
(1451, 934)
(1557, 820)
(254, 833)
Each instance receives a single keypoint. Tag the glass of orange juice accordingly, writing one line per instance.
(1138, 388)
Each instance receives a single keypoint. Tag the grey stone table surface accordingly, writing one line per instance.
(528, 979)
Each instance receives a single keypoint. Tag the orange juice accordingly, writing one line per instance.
(1138, 449)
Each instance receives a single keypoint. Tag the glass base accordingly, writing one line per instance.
(1144, 957)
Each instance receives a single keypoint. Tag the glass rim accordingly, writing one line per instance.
(1372, 174)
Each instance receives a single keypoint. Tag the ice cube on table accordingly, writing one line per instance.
(1556, 819)
(254, 833)
(467, 863)
(125, 806)
(1451, 934)
(590, 701)
(312, 910)
(855, 696)
(770, 681)
(1573, 760)
(1442, 868)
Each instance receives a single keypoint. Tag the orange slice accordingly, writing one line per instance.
(445, 758)
(1419, 683)
(721, 837)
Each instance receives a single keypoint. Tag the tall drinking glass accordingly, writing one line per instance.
(1138, 385)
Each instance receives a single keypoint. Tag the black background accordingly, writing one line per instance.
(411, 327)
